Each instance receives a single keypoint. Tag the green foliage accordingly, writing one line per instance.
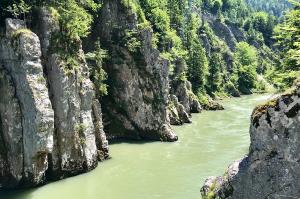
(214, 79)
(261, 86)
(75, 23)
(98, 75)
(217, 5)
(283, 80)
(135, 6)
(178, 33)
(287, 36)
(203, 99)
(246, 61)
(131, 41)
(197, 66)
(19, 9)
(161, 14)
(247, 79)
(273, 7)
(79, 130)
(74, 20)
(261, 22)
(254, 36)
(245, 54)
(196, 60)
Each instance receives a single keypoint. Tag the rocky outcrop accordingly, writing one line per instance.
(271, 169)
(78, 128)
(212, 105)
(177, 113)
(206, 44)
(136, 106)
(237, 32)
(182, 89)
(26, 115)
(11, 165)
(50, 122)
(221, 30)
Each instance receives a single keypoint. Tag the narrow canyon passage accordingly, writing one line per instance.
(163, 170)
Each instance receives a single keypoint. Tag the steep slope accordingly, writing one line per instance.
(51, 122)
(45, 133)
(136, 105)
(271, 168)
(274, 7)
(31, 140)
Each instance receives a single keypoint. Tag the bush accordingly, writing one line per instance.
(246, 79)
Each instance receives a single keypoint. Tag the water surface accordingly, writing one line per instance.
(163, 170)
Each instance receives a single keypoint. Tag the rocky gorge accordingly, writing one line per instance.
(51, 120)
(76, 75)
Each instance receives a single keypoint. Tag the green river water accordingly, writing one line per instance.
(163, 170)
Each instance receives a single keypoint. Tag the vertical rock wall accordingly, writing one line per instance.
(72, 96)
(23, 74)
(51, 123)
(136, 106)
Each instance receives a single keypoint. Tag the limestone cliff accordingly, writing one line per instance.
(26, 115)
(271, 168)
(72, 96)
(136, 105)
(51, 123)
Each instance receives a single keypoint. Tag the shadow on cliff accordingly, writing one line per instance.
(127, 141)
(17, 194)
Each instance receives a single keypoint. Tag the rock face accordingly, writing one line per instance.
(72, 95)
(222, 30)
(182, 89)
(136, 106)
(271, 169)
(177, 113)
(50, 123)
(26, 115)
(11, 165)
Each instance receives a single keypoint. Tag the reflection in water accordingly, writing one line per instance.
(163, 170)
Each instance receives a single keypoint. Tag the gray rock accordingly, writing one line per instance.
(45, 137)
(221, 30)
(237, 32)
(206, 44)
(136, 106)
(183, 91)
(72, 96)
(20, 57)
(102, 143)
(271, 169)
(177, 112)
(12, 25)
(11, 135)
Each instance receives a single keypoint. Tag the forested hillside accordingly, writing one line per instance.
(288, 41)
(211, 39)
(273, 7)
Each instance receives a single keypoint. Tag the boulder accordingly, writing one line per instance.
(271, 169)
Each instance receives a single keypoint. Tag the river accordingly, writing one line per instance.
(163, 170)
